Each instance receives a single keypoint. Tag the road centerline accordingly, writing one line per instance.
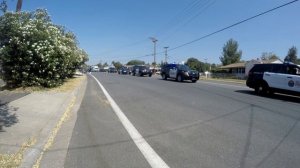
(148, 152)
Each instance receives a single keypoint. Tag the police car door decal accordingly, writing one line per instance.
(173, 72)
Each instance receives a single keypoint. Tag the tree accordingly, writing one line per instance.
(292, 55)
(195, 64)
(230, 53)
(100, 65)
(3, 6)
(268, 56)
(117, 65)
(105, 64)
(136, 62)
(36, 52)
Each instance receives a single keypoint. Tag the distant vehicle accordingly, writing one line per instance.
(102, 70)
(123, 71)
(112, 70)
(179, 72)
(141, 70)
(158, 72)
(95, 68)
(270, 78)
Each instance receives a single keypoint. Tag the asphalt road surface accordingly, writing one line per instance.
(197, 125)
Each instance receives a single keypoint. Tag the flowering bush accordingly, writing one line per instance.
(35, 52)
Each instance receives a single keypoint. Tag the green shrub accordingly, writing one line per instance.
(36, 52)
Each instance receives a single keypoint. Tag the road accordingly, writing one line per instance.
(203, 124)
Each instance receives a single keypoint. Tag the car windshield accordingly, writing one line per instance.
(184, 68)
(144, 67)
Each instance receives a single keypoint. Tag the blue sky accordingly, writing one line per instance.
(119, 30)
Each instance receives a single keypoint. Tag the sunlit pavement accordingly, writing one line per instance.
(187, 124)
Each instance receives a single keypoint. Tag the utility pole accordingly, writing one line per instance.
(205, 63)
(166, 54)
(154, 40)
(19, 6)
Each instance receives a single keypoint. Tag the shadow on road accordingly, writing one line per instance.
(275, 96)
(173, 80)
(8, 116)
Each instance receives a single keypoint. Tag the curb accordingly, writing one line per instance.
(58, 151)
(32, 154)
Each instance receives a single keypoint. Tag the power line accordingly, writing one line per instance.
(179, 16)
(233, 25)
(123, 47)
(201, 11)
(193, 10)
(223, 29)
(186, 12)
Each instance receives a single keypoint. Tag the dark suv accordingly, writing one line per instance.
(179, 72)
(141, 70)
(269, 78)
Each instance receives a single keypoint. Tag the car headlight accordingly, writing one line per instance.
(186, 73)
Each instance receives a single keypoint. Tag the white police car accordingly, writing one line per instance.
(270, 78)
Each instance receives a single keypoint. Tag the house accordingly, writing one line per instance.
(236, 69)
(240, 70)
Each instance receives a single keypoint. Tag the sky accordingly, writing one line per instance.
(120, 30)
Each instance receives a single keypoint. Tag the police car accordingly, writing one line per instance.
(270, 78)
(179, 72)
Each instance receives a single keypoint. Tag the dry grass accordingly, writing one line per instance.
(67, 114)
(14, 160)
(69, 85)
(225, 80)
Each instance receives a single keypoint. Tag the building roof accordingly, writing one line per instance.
(242, 64)
(235, 65)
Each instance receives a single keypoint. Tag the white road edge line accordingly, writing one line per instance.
(150, 155)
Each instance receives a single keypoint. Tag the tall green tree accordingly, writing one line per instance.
(136, 62)
(100, 65)
(230, 53)
(105, 64)
(268, 56)
(292, 55)
(195, 64)
(117, 65)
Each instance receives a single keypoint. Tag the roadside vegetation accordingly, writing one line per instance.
(36, 52)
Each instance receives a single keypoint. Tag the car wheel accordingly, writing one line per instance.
(164, 77)
(179, 78)
(262, 89)
(194, 81)
(150, 75)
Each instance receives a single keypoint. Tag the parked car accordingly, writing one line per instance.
(179, 72)
(141, 70)
(270, 78)
(123, 71)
